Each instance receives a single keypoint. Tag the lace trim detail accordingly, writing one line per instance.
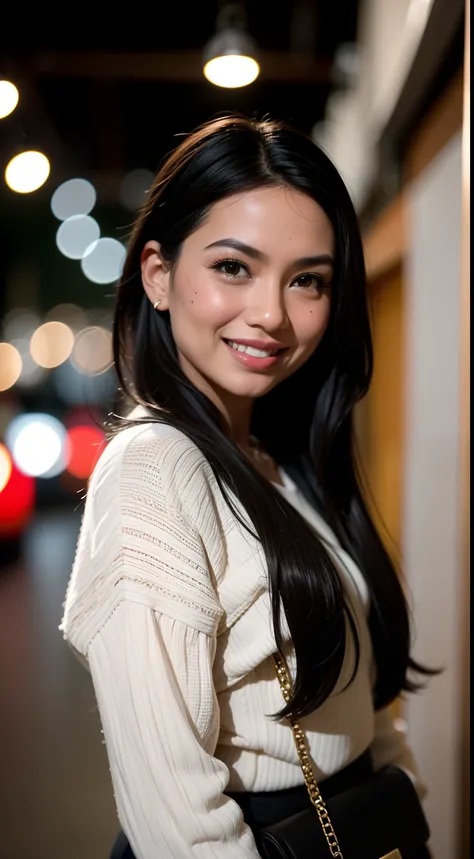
(149, 538)
(137, 559)
(212, 613)
(153, 502)
(148, 502)
(180, 537)
(81, 615)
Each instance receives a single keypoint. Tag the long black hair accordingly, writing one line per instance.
(305, 423)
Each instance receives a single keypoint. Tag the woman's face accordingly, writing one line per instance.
(249, 298)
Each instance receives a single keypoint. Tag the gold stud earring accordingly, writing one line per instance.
(157, 304)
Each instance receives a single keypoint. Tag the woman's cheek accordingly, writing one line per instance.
(311, 324)
(216, 304)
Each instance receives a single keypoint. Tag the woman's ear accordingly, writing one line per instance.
(155, 276)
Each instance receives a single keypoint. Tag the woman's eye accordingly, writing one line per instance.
(310, 281)
(231, 268)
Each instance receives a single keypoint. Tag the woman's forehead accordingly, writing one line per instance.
(266, 217)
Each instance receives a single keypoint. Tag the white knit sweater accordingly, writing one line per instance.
(168, 605)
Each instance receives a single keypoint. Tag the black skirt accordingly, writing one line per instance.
(266, 807)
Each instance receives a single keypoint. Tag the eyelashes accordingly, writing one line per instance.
(222, 264)
(230, 269)
(317, 282)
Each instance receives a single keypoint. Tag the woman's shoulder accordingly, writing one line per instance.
(140, 429)
(141, 538)
(153, 461)
(151, 454)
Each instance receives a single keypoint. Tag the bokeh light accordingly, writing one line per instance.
(70, 314)
(134, 188)
(74, 197)
(37, 443)
(10, 366)
(76, 235)
(5, 466)
(101, 316)
(51, 344)
(9, 96)
(19, 323)
(92, 353)
(82, 416)
(103, 261)
(17, 499)
(31, 373)
(85, 444)
(27, 172)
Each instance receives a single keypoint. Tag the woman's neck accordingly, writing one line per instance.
(236, 411)
(237, 414)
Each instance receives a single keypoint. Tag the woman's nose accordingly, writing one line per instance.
(267, 308)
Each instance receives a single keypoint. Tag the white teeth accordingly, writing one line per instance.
(250, 350)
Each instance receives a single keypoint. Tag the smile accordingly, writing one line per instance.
(251, 350)
(254, 357)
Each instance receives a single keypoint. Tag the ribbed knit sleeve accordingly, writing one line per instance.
(142, 610)
(153, 681)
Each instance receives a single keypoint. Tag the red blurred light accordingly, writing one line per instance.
(17, 500)
(82, 416)
(85, 444)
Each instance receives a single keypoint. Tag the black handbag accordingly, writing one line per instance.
(381, 818)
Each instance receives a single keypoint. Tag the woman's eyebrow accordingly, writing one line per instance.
(319, 259)
(239, 246)
(235, 244)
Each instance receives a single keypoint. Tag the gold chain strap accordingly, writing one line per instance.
(305, 762)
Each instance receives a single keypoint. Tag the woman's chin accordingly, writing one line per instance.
(250, 389)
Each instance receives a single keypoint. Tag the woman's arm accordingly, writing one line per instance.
(153, 682)
(142, 609)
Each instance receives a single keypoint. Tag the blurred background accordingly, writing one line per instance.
(86, 116)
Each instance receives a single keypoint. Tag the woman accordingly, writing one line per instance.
(225, 521)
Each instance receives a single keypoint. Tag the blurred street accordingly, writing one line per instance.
(55, 794)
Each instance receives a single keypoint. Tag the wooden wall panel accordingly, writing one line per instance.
(385, 242)
(384, 413)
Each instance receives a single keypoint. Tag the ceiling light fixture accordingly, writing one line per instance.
(230, 55)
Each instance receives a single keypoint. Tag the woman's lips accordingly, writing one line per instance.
(252, 362)
(266, 345)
